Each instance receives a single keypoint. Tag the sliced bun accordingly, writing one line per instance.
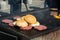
(36, 24)
(57, 17)
(30, 19)
(21, 23)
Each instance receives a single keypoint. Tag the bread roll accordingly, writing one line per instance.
(21, 23)
(30, 19)
(18, 18)
(23, 17)
(57, 17)
(14, 23)
(36, 24)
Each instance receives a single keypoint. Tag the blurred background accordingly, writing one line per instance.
(5, 7)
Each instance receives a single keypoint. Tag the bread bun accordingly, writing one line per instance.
(36, 24)
(30, 19)
(18, 18)
(22, 17)
(14, 23)
(57, 17)
(21, 23)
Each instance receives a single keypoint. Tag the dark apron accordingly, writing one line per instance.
(15, 5)
(52, 3)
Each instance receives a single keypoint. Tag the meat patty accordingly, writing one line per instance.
(7, 21)
(11, 24)
(40, 27)
(26, 28)
(15, 17)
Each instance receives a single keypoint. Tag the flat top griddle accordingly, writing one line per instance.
(43, 17)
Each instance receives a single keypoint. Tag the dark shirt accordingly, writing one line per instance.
(11, 2)
(53, 3)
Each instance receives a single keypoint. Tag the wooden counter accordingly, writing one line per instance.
(51, 36)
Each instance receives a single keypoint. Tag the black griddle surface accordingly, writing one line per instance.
(43, 19)
(31, 33)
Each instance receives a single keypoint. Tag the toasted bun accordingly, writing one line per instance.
(14, 23)
(36, 24)
(57, 17)
(30, 19)
(21, 23)
(18, 18)
(22, 17)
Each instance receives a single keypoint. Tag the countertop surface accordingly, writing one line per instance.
(51, 36)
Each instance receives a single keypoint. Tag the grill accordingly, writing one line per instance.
(42, 16)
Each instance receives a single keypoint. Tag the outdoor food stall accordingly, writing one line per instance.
(29, 24)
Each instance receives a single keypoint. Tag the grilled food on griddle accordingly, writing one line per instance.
(26, 22)
(40, 27)
(35, 24)
(21, 23)
(57, 17)
(30, 19)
